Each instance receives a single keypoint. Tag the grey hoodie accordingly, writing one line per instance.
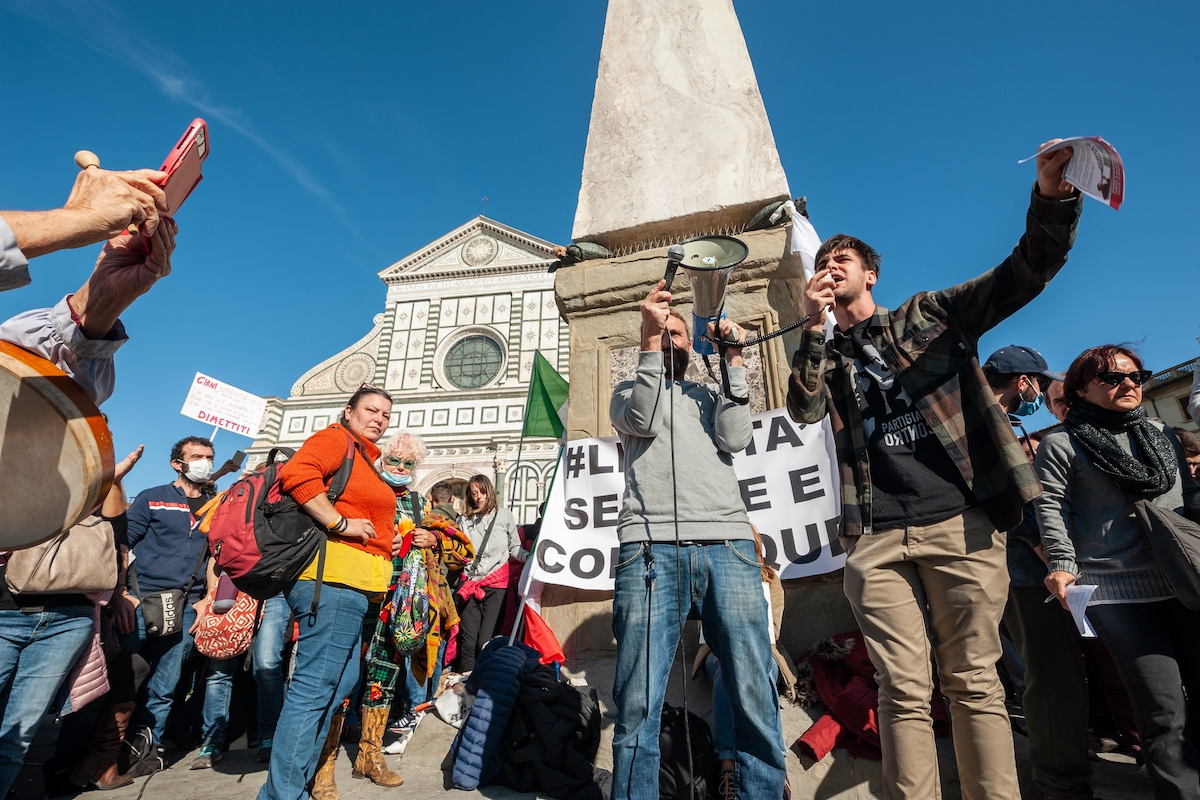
(708, 429)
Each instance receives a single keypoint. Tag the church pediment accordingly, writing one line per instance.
(345, 372)
(479, 247)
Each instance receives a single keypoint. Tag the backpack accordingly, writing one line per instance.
(674, 782)
(261, 537)
(411, 612)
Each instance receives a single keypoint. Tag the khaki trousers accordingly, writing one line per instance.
(927, 593)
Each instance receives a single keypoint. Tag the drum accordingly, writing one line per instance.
(56, 452)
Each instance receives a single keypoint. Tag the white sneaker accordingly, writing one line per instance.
(399, 743)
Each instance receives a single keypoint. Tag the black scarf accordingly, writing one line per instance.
(1149, 474)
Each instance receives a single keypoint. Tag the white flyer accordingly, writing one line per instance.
(1077, 600)
(1095, 168)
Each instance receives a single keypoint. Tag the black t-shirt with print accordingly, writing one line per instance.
(913, 479)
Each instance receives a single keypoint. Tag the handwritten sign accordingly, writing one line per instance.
(223, 406)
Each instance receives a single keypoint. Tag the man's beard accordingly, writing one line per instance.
(676, 362)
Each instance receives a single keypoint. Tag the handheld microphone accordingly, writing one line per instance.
(674, 259)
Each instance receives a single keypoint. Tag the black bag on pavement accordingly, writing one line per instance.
(674, 780)
(552, 738)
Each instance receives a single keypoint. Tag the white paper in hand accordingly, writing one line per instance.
(1077, 600)
(1095, 168)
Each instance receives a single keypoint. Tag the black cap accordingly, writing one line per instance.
(1018, 360)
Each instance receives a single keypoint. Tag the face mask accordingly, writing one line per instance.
(199, 471)
(392, 479)
(1028, 407)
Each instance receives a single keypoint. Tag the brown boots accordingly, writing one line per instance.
(99, 766)
(370, 763)
(323, 787)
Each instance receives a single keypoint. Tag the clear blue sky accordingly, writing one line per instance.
(345, 136)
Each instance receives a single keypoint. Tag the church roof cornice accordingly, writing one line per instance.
(403, 270)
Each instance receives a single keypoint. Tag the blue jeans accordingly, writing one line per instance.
(217, 688)
(165, 656)
(723, 710)
(272, 635)
(327, 657)
(417, 693)
(720, 583)
(37, 650)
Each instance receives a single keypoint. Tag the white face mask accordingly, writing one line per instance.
(199, 471)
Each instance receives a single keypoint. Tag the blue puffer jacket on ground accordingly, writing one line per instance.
(495, 682)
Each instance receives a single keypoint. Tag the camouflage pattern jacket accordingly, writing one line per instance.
(930, 342)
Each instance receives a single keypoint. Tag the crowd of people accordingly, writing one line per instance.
(956, 533)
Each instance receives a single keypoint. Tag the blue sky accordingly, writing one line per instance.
(345, 136)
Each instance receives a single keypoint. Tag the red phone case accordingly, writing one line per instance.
(182, 165)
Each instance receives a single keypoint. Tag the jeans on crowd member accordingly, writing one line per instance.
(1157, 650)
(415, 693)
(1056, 693)
(479, 619)
(327, 656)
(218, 686)
(165, 655)
(723, 709)
(950, 579)
(269, 641)
(721, 583)
(37, 651)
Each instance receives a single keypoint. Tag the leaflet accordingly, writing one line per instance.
(1095, 168)
(1077, 600)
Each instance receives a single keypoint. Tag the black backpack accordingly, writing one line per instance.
(674, 781)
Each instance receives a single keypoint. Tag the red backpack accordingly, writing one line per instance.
(261, 537)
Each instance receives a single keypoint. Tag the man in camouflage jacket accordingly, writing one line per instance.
(931, 478)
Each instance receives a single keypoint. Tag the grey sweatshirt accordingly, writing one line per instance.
(504, 541)
(1088, 526)
(708, 429)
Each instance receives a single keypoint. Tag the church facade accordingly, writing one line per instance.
(454, 346)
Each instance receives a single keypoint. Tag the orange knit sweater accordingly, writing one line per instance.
(308, 473)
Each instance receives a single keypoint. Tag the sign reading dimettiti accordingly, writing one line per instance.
(223, 406)
(787, 481)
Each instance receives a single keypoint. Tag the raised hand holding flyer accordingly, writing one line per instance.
(1095, 168)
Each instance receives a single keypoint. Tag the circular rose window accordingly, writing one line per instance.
(473, 362)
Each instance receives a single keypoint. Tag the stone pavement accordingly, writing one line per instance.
(839, 777)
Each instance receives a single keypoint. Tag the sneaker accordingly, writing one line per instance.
(209, 754)
(264, 750)
(406, 723)
(726, 786)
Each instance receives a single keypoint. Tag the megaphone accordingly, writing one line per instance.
(708, 262)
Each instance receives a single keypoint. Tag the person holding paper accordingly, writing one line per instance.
(931, 477)
(1108, 456)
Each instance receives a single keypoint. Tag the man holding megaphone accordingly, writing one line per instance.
(687, 549)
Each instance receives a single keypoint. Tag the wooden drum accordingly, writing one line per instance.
(56, 452)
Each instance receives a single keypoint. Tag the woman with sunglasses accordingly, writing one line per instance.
(1107, 456)
(358, 564)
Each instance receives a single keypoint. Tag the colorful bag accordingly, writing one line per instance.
(411, 612)
(229, 634)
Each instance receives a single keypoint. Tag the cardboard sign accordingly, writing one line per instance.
(788, 483)
(223, 406)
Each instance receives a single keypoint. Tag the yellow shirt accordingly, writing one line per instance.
(352, 567)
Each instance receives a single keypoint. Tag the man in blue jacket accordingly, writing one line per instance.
(167, 553)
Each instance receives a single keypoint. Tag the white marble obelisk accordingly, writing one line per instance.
(679, 143)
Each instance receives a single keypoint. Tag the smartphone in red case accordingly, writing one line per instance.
(183, 165)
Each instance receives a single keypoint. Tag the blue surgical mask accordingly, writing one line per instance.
(392, 479)
(1029, 407)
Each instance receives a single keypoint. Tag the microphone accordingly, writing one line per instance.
(674, 259)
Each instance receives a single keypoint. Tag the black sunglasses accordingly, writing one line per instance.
(1138, 376)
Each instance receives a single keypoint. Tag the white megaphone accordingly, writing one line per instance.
(708, 262)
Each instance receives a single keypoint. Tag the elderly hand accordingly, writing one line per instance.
(127, 267)
(423, 538)
(1050, 167)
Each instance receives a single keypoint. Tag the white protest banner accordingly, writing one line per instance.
(223, 406)
(787, 480)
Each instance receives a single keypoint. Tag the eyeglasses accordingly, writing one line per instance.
(396, 461)
(374, 390)
(1138, 376)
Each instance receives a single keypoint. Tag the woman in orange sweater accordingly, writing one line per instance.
(358, 564)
